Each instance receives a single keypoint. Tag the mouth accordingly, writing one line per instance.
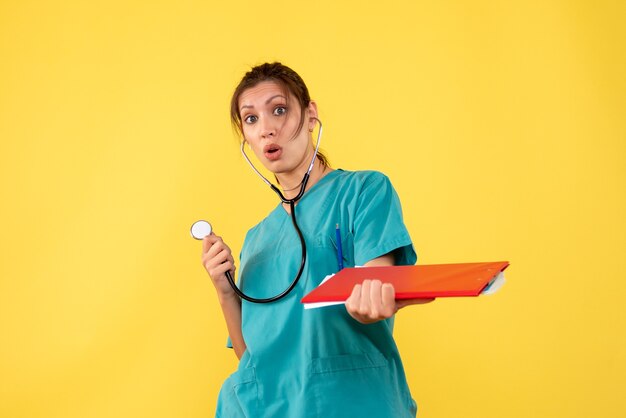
(272, 152)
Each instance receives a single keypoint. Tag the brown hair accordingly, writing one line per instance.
(285, 77)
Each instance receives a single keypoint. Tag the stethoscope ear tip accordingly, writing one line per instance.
(200, 229)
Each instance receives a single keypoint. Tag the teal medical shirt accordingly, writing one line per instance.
(319, 362)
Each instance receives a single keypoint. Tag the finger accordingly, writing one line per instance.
(376, 303)
(353, 302)
(388, 300)
(220, 269)
(215, 257)
(208, 241)
(217, 271)
(364, 306)
(217, 247)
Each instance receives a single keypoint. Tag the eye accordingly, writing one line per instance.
(280, 110)
(250, 119)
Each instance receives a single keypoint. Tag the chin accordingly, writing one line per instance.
(277, 167)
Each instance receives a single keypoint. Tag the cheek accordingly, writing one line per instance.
(254, 146)
(251, 138)
(247, 132)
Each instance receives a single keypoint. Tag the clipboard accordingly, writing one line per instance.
(410, 282)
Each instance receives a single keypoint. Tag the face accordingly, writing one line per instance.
(269, 122)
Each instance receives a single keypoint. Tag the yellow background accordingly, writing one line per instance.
(501, 124)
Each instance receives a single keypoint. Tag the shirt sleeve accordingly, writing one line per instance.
(378, 224)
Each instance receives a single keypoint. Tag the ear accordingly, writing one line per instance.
(311, 115)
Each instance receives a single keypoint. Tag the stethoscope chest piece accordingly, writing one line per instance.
(201, 229)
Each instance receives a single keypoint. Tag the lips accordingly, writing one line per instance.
(272, 152)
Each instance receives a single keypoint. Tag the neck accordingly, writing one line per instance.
(293, 182)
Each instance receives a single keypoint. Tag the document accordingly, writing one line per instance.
(410, 282)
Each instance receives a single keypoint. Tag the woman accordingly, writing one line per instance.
(338, 361)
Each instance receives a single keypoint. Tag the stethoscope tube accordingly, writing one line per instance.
(293, 284)
(292, 207)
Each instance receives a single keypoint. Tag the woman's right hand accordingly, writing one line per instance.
(217, 259)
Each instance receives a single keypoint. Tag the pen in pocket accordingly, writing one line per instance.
(339, 249)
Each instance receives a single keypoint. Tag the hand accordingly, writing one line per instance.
(373, 301)
(217, 259)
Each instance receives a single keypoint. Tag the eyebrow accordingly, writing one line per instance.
(266, 102)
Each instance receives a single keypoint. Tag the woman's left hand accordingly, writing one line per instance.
(373, 301)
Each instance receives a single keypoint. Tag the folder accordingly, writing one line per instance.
(410, 282)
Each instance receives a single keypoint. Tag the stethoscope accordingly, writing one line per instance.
(201, 229)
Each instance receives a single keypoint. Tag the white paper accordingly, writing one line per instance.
(495, 285)
(322, 304)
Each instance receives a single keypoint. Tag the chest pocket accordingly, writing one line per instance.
(328, 244)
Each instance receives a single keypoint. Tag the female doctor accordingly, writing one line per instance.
(338, 361)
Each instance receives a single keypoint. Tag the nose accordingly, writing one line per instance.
(268, 128)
